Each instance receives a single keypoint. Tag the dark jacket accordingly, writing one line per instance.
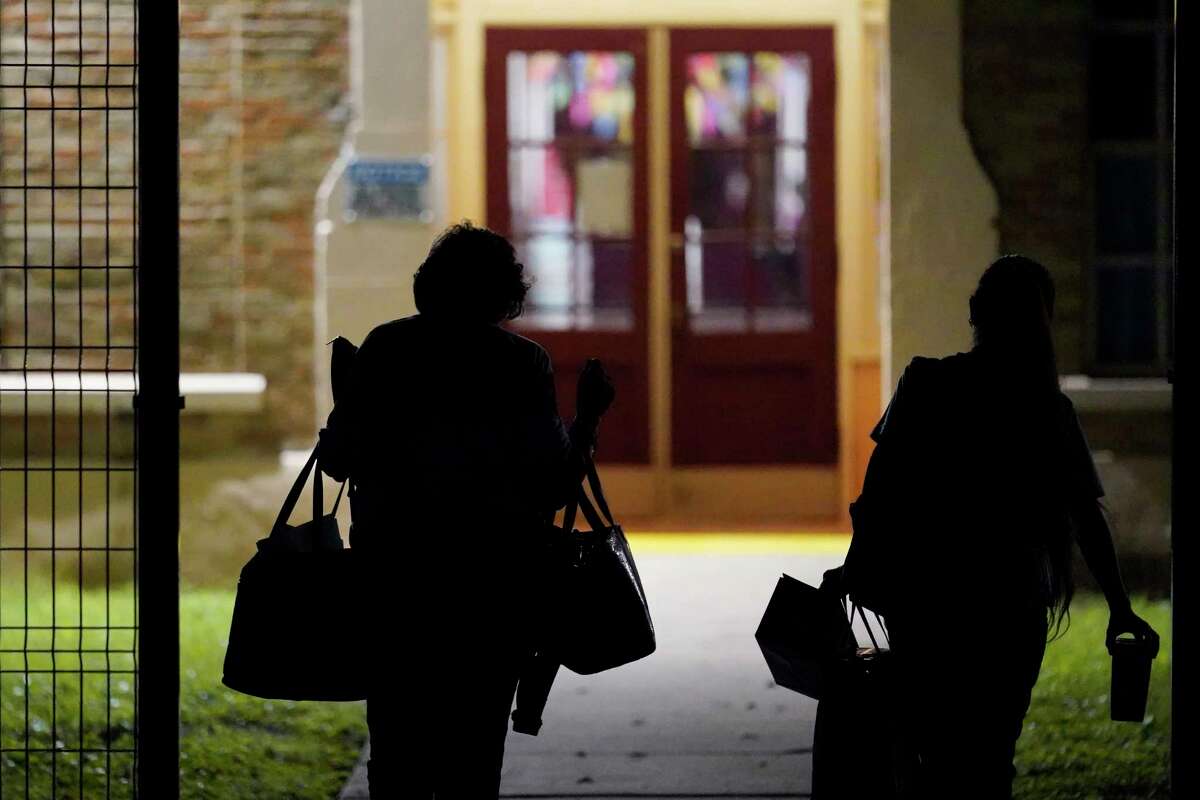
(968, 491)
(450, 421)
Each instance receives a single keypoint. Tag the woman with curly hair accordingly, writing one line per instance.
(456, 454)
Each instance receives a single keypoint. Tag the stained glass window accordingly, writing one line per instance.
(746, 242)
(570, 134)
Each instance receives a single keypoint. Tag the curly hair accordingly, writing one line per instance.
(471, 273)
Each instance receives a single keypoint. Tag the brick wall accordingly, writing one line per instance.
(65, 126)
(263, 92)
(1025, 107)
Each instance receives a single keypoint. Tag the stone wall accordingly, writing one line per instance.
(943, 208)
(66, 122)
(1025, 106)
(263, 104)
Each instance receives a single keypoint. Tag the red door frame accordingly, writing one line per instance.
(626, 436)
(697, 415)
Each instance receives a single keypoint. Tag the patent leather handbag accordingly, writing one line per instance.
(601, 619)
(297, 618)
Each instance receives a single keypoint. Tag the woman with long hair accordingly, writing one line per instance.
(980, 480)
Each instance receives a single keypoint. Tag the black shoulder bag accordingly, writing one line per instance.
(602, 619)
(297, 623)
(595, 615)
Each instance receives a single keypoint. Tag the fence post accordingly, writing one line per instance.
(1184, 719)
(157, 758)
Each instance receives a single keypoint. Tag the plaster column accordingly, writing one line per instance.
(943, 207)
(364, 264)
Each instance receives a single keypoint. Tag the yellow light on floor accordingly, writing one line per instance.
(738, 542)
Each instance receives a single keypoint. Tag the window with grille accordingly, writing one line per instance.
(1129, 123)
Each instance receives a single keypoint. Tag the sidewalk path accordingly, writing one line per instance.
(699, 718)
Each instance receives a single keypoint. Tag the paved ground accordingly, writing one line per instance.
(699, 718)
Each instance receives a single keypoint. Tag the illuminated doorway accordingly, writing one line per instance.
(751, 329)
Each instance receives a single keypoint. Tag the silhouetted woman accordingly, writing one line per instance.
(979, 481)
(457, 456)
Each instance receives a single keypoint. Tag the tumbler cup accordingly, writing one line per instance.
(1131, 660)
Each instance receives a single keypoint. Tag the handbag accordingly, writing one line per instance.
(600, 618)
(859, 749)
(802, 633)
(297, 621)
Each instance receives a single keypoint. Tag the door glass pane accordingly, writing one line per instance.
(716, 277)
(539, 190)
(604, 186)
(746, 241)
(780, 190)
(558, 95)
(779, 105)
(549, 260)
(719, 188)
(781, 278)
(578, 284)
(570, 132)
(716, 97)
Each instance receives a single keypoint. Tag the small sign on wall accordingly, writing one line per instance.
(395, 188)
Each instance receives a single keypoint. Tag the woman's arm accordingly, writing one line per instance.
(1096, 544)
(563, 453)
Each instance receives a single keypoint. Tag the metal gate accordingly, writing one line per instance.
(88, 399)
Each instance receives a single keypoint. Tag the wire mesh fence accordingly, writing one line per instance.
(68, 318)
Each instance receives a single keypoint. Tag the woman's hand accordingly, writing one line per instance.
(1121, 619)
(595, 392)
(833, 582)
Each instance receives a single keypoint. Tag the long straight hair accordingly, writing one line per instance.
(1012, 311)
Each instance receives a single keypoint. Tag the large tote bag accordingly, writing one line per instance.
(601, 618)
(298, 627)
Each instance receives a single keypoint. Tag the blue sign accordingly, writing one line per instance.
(389, 189)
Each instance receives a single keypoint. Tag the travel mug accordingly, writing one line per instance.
(1131, 660)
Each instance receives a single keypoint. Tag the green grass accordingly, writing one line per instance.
(226, 504)
(1070, 748)
(234, 746)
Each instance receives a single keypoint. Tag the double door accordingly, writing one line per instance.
(729, 276)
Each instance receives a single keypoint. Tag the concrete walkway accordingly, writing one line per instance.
(699, 718)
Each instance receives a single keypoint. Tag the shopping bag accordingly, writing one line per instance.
(801, 633)
(599, 617)
(858, 747)
(298, 631)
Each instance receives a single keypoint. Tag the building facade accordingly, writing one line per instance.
(756, 213)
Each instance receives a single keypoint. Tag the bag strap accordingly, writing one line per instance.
(593, 479)
(319, 492)
(581, 502)
(854, 607)
(337, 500)
(293, 495)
